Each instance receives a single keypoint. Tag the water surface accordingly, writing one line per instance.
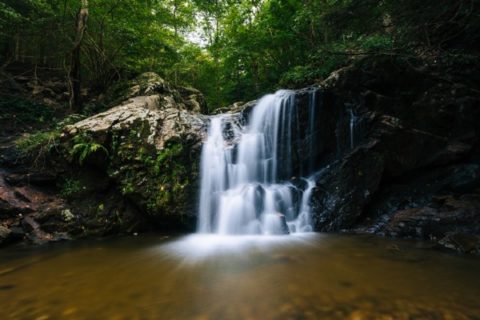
(311, 276)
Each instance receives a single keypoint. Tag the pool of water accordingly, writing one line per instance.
(311, 276)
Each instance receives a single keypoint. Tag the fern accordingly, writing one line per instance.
(85, 146)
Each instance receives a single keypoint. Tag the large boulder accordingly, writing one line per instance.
(150, 83)
(149, 147)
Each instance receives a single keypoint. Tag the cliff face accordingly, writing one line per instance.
(405, 160)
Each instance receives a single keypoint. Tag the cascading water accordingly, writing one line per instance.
(244, 179)
(353, 122)
(312, 108)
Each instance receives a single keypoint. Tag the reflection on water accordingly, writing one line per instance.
(209, 277)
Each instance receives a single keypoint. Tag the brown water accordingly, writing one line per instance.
(309, 277)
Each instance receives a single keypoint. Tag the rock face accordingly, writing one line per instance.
(403, 154)
(150, 83)
(148, 146)
(21, 203)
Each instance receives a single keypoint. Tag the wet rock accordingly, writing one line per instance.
(13, 201)
(10, 235)
(450, 220)
(466, 243)
(283, 224)
(438, 219)
(36, 178)
(419, 143)
(344, 190)
(4, 235)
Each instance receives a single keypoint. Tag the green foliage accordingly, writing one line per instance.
(71, 188)
(38, 144)
(300, 76)
(375, 42)
(230, 50)
(127, 188)
(42, 143)
(84, 146)
(166, 157)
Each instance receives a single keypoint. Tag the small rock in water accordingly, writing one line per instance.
(6, 287)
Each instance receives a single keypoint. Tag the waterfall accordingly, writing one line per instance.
(312, 145)
(303, 223)
(353, 121)
(245, 187)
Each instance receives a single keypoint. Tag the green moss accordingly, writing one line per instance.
(157, 179)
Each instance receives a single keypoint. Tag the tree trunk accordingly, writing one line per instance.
(175, 27)
(74, 75)
(17, 46)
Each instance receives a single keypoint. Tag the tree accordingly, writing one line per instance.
(74, 75)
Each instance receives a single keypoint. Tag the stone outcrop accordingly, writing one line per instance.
(150, 83)
(148, 146)
(413, 168)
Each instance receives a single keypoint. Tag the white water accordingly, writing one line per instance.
(353, 121)
(244, 180)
